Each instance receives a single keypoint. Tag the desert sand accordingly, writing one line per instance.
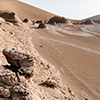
(73, 49)
(25, 11)
(76, 56)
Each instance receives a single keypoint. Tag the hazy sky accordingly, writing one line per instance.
(74, 9)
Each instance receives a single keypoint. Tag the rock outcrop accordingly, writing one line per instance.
(8, 15)
(19, 59)
(17, 81)
(42, 25)
(11, 88)
(15, 86)
(57, 19)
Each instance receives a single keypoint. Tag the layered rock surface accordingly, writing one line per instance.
(57, 19)
(19, 59)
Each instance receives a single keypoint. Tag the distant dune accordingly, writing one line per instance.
(24, 10)
(95, 18)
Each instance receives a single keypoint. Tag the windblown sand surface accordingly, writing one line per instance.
(74, 50)
(76, 55)
(24, 11)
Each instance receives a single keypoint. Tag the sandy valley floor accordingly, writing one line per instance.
(75, 51)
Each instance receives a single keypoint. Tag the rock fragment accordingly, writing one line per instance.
(42, 25)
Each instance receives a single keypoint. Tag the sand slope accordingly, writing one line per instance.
(24, 10)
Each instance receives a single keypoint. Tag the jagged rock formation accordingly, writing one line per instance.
(42, 25)
(57, 19)
(18, 58)
(14, 85)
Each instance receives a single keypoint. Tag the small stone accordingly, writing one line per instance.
(25, 20)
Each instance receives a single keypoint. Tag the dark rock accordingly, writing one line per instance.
(25, 20)
(49, 83)
(57, 19)
(38, 21)
(42, 25)
(8, 15)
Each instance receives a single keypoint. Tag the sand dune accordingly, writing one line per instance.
(24, 10)
(95, 18)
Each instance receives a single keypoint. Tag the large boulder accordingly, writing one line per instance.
(20, 60)
(42, 25)
(8, 15)
(57, 19)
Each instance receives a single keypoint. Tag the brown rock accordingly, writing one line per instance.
(38, 21)
(42, 25)
(7, 77)
(8, 15)
(57, 19)
(25, 20)
(19, 59)
(20, 92)
(49, 83)
(4, 92)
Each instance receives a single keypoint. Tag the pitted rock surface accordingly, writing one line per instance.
(11, 88)
(7, 77)
(20, 59)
